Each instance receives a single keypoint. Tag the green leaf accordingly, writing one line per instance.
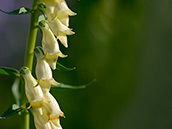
(9, 71)
(11, 111)
(15, 90)
(19, 11)
(14, 109)
(60, 67)
(64, 86)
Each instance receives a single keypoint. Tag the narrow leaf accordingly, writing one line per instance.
(15, 90)
(11, 111)
(60, 67)
(14, 109)
(9, 71)
(64, 86)
(19, 11)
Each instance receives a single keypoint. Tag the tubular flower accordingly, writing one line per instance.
(33, 94)
(41, 121)
(60, 30)
(58, 14)
(52, 109)
(43, 71)
(44, 75)
(63, 12)
(50, 45)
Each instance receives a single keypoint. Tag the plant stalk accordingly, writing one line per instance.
(25, 116)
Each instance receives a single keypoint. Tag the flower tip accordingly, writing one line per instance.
(53, 82)
(62, 55)
(72, 13)
(52, 65)
(66, 45)
(63, 40)
(69, 32)
(62, 115)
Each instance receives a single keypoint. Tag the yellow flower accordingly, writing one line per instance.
(50, 45)
(58, 14)
(60, 30)
(43, 71)
(52, 109)
(33, 94)
(59, 9)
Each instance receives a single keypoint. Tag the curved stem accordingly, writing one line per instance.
(25, 122)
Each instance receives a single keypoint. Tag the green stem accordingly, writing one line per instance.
(32, 38)
(25, 122)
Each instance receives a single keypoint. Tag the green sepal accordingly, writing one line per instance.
(13, 110)
(60, 67)
(42, 17)
(42, 5)
(9, 71)
(19, 11)
(65, 86)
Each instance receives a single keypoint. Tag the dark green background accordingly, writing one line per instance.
(125, 44)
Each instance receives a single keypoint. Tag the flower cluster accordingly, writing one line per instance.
(45, 108)
(57, 13)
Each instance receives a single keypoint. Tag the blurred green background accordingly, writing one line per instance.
(124, 44)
